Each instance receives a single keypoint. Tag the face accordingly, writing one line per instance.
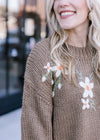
(71, 13)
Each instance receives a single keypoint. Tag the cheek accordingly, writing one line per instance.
(82, 9)
(81, 4)
(84, 13)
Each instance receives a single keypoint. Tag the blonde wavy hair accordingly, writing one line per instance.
(59, 36)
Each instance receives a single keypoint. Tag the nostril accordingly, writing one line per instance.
(63, 6)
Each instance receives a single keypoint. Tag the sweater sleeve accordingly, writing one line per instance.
(36, 118)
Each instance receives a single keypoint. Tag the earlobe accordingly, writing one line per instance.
(89, 16)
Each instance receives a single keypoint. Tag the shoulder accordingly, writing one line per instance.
(38, 58)
(41, 48)
(41, 51)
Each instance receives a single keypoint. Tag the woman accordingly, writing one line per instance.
(62, 80)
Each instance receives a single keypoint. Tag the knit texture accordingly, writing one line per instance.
(69, 115)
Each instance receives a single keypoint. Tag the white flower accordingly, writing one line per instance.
(43, 79)
(48, 67)
(59, 86)
(52, 82)
(87, 88)
(53, 94)
(85, 104)
(58, 70)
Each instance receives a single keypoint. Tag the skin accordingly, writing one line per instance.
(76, 21)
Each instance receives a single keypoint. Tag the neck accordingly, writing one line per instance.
(78, 36)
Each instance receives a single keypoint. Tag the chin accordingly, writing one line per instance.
(67, 27)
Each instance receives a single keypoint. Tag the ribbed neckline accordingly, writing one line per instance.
(81, 52)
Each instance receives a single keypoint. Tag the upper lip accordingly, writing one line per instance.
(63, 11)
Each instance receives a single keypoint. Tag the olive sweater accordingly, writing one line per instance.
(54, 109)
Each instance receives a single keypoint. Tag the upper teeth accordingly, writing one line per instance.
(66, 13)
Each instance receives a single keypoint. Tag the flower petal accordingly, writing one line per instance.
(84, 107)
(88, 106)
(58, 73)
(91, 94)
(48, 70)
(87, 101)
(83, 101)
(53, 94)
(43, 79)
(59, 86)
(52, 82)
(48, 64)
(82, 84)
(45, 67)
(85, 94)
(87, 81)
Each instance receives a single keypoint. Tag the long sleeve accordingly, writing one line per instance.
(36, 119)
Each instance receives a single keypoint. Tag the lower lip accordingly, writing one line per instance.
(67, 16)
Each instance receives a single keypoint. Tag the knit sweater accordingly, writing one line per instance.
(56, 109)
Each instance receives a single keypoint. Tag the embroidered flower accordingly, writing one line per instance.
(85, 104)
(89, 103)
(87, 88)
(52, 82)
(48, 67)
(59, 86)
(58, 70)
(53, 94)
(44, 78)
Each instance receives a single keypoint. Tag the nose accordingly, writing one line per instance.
(63, 3)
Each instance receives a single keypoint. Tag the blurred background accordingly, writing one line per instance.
(22, 25)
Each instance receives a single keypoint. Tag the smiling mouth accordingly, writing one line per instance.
(65, 14)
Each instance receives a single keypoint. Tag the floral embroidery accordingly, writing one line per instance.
(87, 85)
(57, 69)
(47, 67)
(85, 104)
(88, 93)
(43, 78)
(87, 88)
